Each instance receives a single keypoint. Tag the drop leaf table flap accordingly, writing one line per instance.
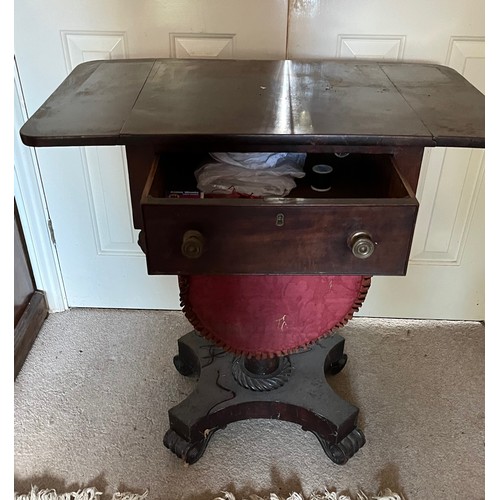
(226, 103)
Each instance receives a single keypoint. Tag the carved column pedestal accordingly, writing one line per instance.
(232, 388)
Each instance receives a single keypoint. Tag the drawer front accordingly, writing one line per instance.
(277, 239)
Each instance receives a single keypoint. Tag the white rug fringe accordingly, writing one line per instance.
(85, 494)
(387, 494)
(36, 494)
(93, 494)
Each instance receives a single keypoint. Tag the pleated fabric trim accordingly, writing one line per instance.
(187, 309)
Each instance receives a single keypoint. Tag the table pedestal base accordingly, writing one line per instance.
(296, 390)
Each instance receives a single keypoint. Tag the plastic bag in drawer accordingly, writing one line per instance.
(261, 160)
(255, 174)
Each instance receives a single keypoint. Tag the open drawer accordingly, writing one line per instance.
(363, 225)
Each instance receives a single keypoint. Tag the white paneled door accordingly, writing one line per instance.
(86, 189)
(446, 272)
(95, 260)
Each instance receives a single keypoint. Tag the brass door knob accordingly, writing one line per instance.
(192, 244)
(361, 245)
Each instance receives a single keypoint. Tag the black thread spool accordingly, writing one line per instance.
(321, 177)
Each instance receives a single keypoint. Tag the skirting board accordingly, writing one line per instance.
(27, 328)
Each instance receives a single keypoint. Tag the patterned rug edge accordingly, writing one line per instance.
(91, 493)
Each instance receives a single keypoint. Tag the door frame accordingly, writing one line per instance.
(33, 211)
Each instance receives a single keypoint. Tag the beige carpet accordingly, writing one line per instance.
(91, 407)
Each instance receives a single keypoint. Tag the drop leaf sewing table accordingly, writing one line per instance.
(267, 282)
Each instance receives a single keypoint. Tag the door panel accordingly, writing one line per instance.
(87, 188)
(446, 272)
(445, 277)
(316, 27)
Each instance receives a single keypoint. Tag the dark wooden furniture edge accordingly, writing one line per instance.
(28, 327)
(117, 134)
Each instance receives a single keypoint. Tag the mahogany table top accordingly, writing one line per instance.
(170, 102)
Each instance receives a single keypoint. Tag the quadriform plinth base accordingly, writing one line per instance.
(293, 388)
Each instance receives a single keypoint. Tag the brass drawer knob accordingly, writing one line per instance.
(192, 244)
(361, 245)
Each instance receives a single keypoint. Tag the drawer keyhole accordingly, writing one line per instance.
(280, 220)
(192, 244)
(361, 245)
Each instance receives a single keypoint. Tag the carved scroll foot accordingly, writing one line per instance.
(341, 452)
(188, 452)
